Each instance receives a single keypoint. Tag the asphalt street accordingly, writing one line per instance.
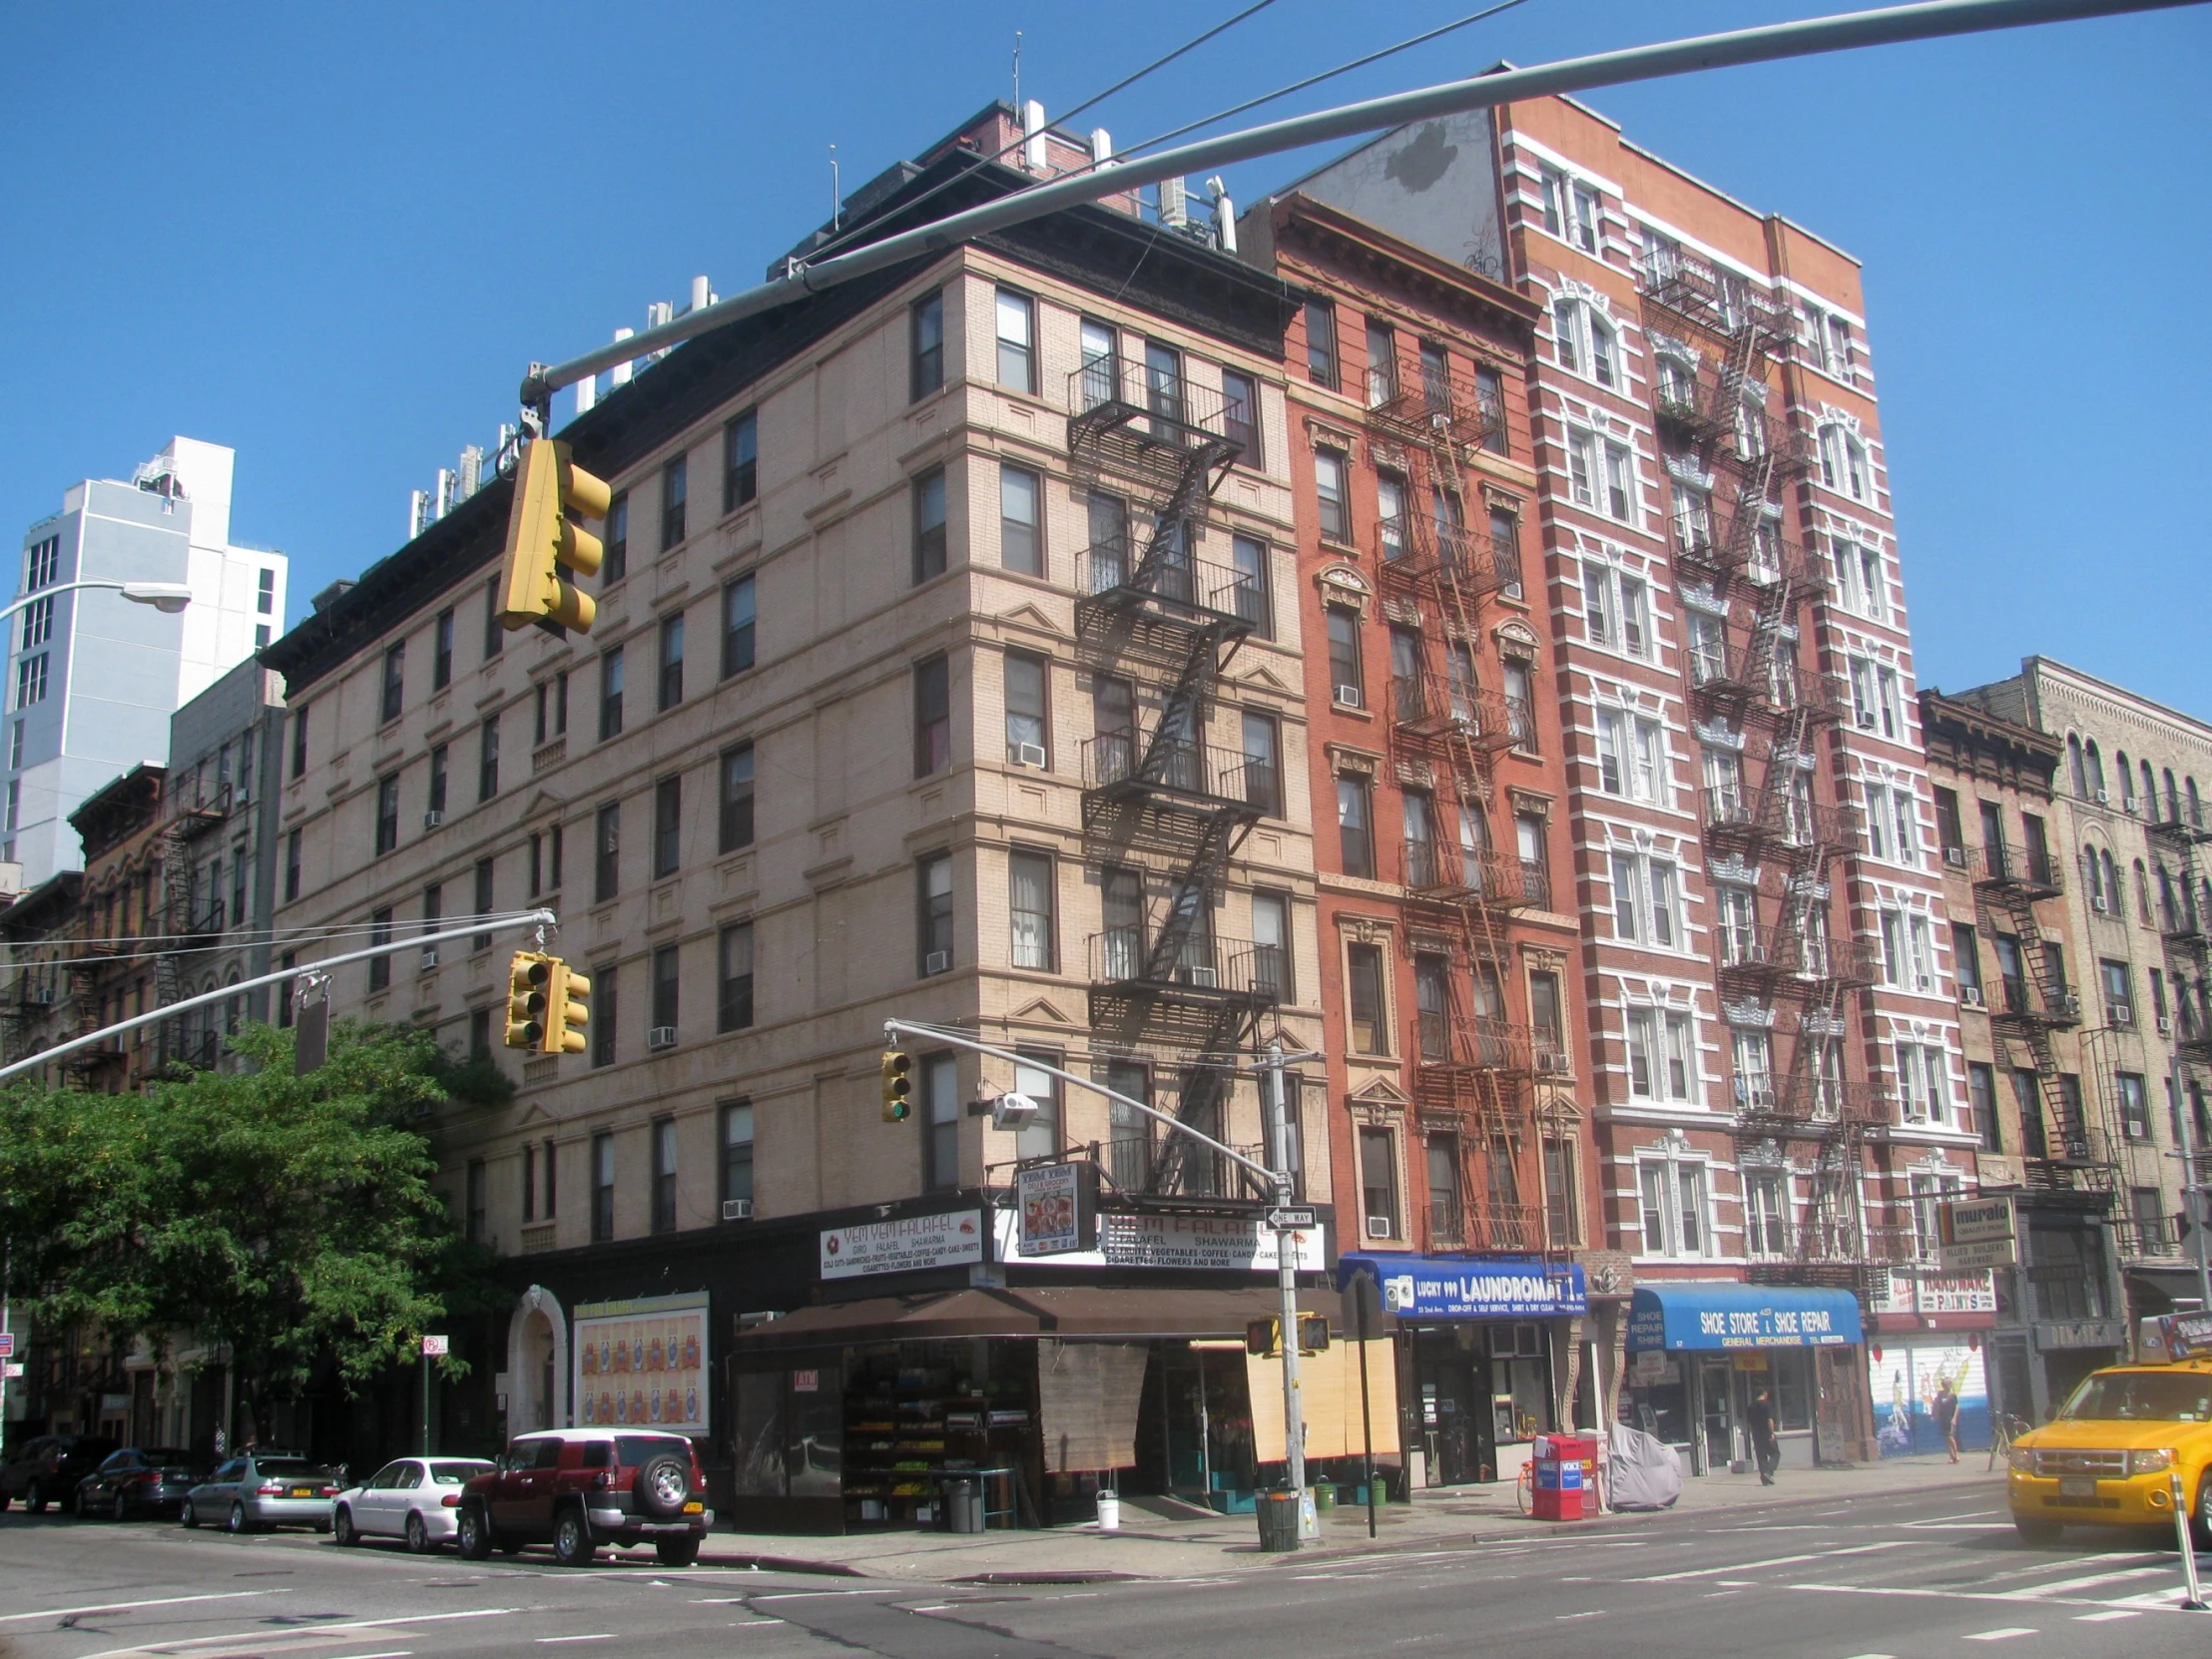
(1895, 1577)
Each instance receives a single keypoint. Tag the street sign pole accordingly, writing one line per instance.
(1285, 1278)
(433, 1348)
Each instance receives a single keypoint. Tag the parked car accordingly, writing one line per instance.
(415, 1499)
(138, 1481)
(46, 1468)
(578, 1489)
(264, 1488)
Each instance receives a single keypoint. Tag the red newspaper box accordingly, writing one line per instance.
(1565, 1483)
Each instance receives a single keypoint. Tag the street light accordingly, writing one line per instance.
(166, 597)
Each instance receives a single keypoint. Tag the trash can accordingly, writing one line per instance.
(1563, 1488)
(1109, 1511)
(1278, 1519)
(963, 1501)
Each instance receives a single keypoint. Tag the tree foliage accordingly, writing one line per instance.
(291, 1219)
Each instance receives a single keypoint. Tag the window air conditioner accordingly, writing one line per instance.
(937, 961)
(2099, 905)
(1348, 697)
(431, 819)
(1378, 1227)
(2103, 799)
(1955, 857)
(43, 996)
(2123, 1014)
(1199, 977)
(2165, 1026)
(1970, 996)
(737, 1209)
(1029, 755)
(429, 957)
(661, 1036)
(1555, 1064)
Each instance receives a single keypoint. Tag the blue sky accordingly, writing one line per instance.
(332, 237)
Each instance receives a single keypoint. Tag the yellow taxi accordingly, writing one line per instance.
(2109, 1458)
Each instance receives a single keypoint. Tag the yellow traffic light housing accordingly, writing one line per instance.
(544, 543)
(898, 1068)
(529, 975)
(568, 1014)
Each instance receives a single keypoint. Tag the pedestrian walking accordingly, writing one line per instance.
(1947, 1417)
(1764, 1444)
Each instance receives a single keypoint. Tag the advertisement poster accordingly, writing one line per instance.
(1056, 1202)
(642, 1364)
(1198, 1244)
(1907, 1376)
(907, 1245)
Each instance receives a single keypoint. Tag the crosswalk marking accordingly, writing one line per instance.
(1771, 1561)
(2002, 1633)
(2064, 1585)
(2108, 1614)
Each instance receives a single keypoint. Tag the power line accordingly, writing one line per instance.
(169, 945)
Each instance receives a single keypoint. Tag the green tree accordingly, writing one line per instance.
(291, 1219)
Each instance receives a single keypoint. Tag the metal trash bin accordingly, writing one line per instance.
(963, 1501)
(1279, 1516)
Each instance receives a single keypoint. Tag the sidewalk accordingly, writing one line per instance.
(1151, 1546)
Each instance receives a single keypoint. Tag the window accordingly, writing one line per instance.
(1620, 490)
(1982, 1096)
(1923, 1083)
(396, 678)
(604, 1012)
(607, 849)
(667, 827)
(1381, 364)
(1271, 946)
(387, 812)
(473, 1201)
(674, 490)
(1562, 1225)
(733, 972)
(925, 347)
(291, 865)
(442, 650)
(1489, 397)
(1335, 512)
(1320, 343)
(1843, 461)
(1027, 744)
(614, 562)
(668, 981)
(1239, 419)
(1965, 958)
(30, 681)
(736, 799)
(1673, 1198)
(1017, 352)
(2119, 1003)
(1859, 578)
(1029, 889)
(1101, 365)
(1646, 901)
(42, 564)
(434, 801)
(932, 717)
(1364, 999)
(610, 694)
(300, 742)
(737, 626)
(1554, 189)
(1255, 604)
(662, 1135)
(1631, 757)
(1379, 1183)
(1355, 827)
(1263, 767)
(1020, 544)
(487, 759)
(737, 1153)
(482, 898)
(1662, 1055)
(741, 462)
(551, 717)
(1040, 1137)
(941, 1116)
(2134, 1106)
(380, 933)
(602, 1187)
(1343, 656)
(672, 661)
(1585, 342)
(928, 493)
(1589, 218)
(933, 910)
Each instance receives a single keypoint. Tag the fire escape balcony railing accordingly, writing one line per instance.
(1780, 952)
(1211, 971)
(1461, 875)
(1448, 1044)
(1420, 407)
(1124, 764)
(191, 818)
(1734, 675)
(2151, 1236)
(1769, 1239)
(2035, 873)
(1735, 813)
(1709, 300)
(1110, 575)
(1146, 422)
(1488, 720)
(1414, 548)
(2023, 1001)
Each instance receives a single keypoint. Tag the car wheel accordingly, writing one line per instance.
(237, 1521)
(677, 1552)
(188, 1516)
(2200, 1518)
(2037, 1532)
(572, 1545)
(341, 1528)
(418, 1535)
(473, 1541)
(35, 1499)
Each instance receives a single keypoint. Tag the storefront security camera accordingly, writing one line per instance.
(1013, 1111)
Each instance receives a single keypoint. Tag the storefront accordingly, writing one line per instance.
(1482, 1353)
(1926, 1329)
(1700, 1352)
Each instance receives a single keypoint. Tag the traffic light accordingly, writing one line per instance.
(544, 543)
(529, 975)
(1263, 1337)
(898, 1068)
(567, 1013)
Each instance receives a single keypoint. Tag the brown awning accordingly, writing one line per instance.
(1045, 1311)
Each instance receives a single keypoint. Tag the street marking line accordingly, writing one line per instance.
(1772, 1561)
(389, 1653)
(2108, 1614)
(2003, 1633)
(251, 1638)
(2083, 1583)
(598, 1636)
(126, 1606)
(1589, 1613)
(1873, 1656)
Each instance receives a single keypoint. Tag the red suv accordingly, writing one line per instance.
(578, 1489)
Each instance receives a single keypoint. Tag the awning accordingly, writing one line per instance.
(1471, 1287)
(1702, 1315)
(1039, 1310)
(2177, 1287)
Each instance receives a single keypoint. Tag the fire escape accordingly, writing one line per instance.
(188, 924)
(1164, 811)
(2187, 926)
(1478, 1075)
(1745, 591)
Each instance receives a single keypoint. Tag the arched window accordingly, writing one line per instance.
(2173, 798)
(2142, 894)
(2076, 774)
(2113, 898)
(2097, 769)
(2093, 877)
(2165, 900)
(2196, 808)
(2127, 783)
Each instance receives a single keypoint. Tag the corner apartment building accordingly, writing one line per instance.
(2128, 837)
(92, 678)
(2015, 949)
(1773, 1037)
(935, 698)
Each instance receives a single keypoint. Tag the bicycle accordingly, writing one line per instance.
(2003, 1427)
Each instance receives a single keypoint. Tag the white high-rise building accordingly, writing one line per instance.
(92, 678)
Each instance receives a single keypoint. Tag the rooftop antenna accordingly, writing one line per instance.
(837, 194)
(1017, 69)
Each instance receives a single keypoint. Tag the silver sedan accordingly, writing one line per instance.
(264, 1488)
(415, 1499)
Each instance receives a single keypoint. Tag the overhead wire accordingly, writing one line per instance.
(169, 945)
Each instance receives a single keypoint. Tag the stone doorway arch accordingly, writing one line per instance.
(537, 1364)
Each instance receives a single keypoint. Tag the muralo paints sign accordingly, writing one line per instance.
(1430, 1288)
(909, 1244)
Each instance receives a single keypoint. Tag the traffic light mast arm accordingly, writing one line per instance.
(474, 929)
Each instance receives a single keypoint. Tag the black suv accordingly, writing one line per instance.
(578, 1489)
(46, 1470)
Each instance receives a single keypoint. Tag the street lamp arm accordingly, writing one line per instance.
(166, 597)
